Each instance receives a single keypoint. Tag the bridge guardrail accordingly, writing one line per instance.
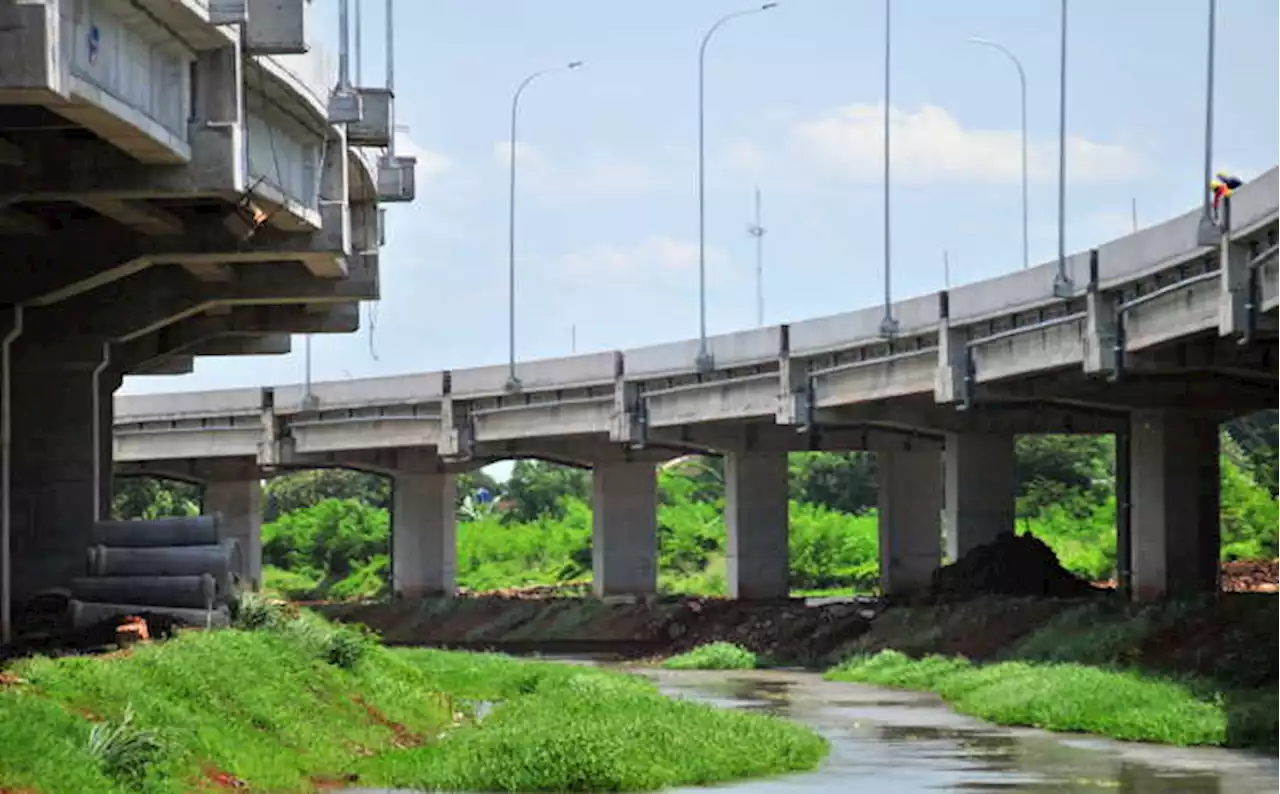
(840, 358)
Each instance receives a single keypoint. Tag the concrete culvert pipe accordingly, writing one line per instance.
(86, 613)
(218, 561)
(198, 592)
(190, 531)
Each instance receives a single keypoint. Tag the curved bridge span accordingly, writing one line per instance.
(1163, 334)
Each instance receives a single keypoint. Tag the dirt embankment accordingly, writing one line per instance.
(636, 628)
(982, 607)
(786, 630)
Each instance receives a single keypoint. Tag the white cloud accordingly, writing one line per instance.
(929, 145)
(746, 157)
(616, 176)
(593, 175)
(527, 157)
(430, 164)
(652, 259)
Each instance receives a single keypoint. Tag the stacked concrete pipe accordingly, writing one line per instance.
(184, 568)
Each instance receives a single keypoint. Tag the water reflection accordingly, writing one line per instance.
(903, 742)
(890, 741)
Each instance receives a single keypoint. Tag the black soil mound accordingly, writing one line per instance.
(1011, 565)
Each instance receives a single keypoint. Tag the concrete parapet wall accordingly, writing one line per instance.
(993, 332)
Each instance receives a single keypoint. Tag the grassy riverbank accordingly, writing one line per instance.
(1198, 672)
(1210, 660)
(1120, 704)
(291, 703)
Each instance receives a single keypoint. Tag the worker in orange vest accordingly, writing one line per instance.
(1222, 185)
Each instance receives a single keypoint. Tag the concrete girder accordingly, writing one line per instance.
(726, 438)
(193, 471)
(157, 297)
(384, 462)
(135, 214)
(77, 261)
(243, 325)
(15, 222)
(184, 363)
(1027, 416)
(387, 462)
(1208, 391)
(10, 153)
(56, 168)
(170, 365)
(582, 452)
(267, 345)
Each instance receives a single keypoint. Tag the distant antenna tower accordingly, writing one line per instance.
(758, 231)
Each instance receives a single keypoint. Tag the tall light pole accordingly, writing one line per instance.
(1022, 86)
(888, 325)
(1062, 281)
(513, 382)
(1209, 232)
(704, 361)
(757, 231)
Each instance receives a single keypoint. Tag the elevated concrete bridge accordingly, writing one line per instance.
(1160, 339)
(177, 178)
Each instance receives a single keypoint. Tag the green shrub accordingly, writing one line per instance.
(124, 751)
(254, 612)
(714, 656)
(1121, 704)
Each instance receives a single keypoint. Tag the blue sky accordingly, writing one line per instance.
(607, 224)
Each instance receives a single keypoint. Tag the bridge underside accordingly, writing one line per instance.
(132, 247)
(946, 474)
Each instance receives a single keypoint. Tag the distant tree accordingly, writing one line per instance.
(146, 497)
(1258, 437)
(1053, 469)
(695, 478)
(289, 492)
(536, 488)
(843, 481)
(470, 482)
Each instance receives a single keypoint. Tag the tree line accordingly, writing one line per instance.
(326, 530)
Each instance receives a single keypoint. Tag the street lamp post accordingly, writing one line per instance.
(757, 231)
(704, 361)
(888, 325)
(1022, 86)
(513, 382)
(1062, 286)
(1209, 232)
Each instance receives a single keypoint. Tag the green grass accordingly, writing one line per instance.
(289, 701)
(1120, 704)
(568, 728)
(714, 656)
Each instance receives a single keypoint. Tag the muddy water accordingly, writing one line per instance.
(891, 741)
(901, 742)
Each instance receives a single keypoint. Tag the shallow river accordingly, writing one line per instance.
(902, 742)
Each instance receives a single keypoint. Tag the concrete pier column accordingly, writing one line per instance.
(756, 517)
(424, 544)
(910, 511)
(981, 489)
(624, 529)
(1174, 479)
(217, 84)
(240, 503)
(55, 460)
